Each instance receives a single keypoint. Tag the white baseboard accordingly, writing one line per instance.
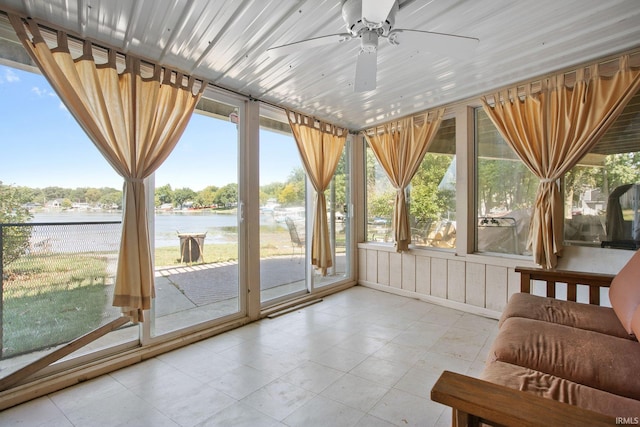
(467, 308)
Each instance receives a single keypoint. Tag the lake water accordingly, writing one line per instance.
(220, 227)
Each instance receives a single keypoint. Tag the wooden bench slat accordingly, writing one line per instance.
(551, 288)
(572, 292)
(502, 405)
(594, 281)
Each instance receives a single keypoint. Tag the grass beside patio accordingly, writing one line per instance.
(274, 241)
(51, 299)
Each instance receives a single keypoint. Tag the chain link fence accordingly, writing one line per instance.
(57, 282)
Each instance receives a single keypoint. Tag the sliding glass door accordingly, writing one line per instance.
(283, 211)
(197, 222)
(338, 208)
(286, 216)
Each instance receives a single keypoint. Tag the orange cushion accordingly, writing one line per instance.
(584, 357)
(624, 292)
(584, 316)
(560, 389)
(635, 323)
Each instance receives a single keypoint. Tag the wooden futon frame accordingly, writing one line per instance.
(476, 402)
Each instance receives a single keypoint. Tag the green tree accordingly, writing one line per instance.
(182, 195)
(289, 195)
(77, 195)
(52, 193)
(207, 196)
(428, 201)
(505, 183)
(371, 169)
(293, 192)
(297, 175)
(164, 194)
(623, 168)
(92, 195)
(112, 198)
(381, 205)
(270, 191)
(15, 240)
(227, 196)
(580, 179)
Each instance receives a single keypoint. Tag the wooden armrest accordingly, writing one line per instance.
(594, 281)
(474, 401)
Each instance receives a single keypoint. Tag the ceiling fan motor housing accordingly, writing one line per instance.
(369, 41)
(357, 26)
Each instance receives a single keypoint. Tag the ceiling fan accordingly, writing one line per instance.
(370, 20)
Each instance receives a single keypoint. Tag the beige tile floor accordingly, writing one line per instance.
(359, 358)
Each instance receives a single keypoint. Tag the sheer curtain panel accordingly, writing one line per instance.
(400, 147)
(135, 121)
(552, 129)
(320, 145)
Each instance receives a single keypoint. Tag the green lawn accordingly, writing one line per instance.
(52, 299)
(275, 241)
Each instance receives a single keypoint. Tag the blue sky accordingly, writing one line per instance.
(41, 145)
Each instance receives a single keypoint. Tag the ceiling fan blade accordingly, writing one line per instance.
(446, 44)
(376, 11)
(287, 49)
(366, 70)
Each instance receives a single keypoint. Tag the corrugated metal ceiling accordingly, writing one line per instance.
(226, 42)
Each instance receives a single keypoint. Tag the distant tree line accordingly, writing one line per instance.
(291, 192)
(104, 196)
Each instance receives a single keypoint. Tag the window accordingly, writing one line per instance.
(602, 192)
(283, 211)
(505, 192)
(197, 222)
(432, 201)
(430, 196)
(64, 203)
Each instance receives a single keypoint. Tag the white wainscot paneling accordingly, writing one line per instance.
(383, 268)
(423, 275)
(476, 284)
(408, 272)
(456, 280)
(395, 270)
(439, 277)
(372, 266)
(496, 287)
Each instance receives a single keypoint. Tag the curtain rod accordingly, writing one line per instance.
(535, 84)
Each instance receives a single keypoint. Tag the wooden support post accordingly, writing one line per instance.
(525, 282)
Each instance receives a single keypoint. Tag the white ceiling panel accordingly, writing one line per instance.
(225, 42)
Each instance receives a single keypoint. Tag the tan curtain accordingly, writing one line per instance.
(135, 122)
(552, 129)
(320, 145)
(400, 148)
